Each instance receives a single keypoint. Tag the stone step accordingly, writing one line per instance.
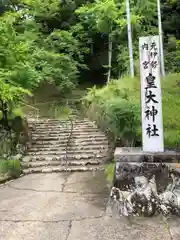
(44, 119)
(62, 122)
(48, 130)
(63, 169)
(62, 142)
(62, 128)
(65, 130)
(62, 125)
(66, 135)
(66, 123)
(73, 148)
(70, 151)
(70, 157)
(59, 163)
(62, 138)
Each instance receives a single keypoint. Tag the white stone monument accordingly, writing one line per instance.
(151, 102)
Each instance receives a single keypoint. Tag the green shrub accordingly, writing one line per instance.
(14, 168)
(17, 112)
(3, 166)
(111, 108)
(121, 111)
(116, 108)
(11, 167)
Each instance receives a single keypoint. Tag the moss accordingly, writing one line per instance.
(10, 168)
(3, 166)
(109, 170)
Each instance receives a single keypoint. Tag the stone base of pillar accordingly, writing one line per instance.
(146, 183)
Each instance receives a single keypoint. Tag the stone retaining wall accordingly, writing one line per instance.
(146, 183)
(127, 154)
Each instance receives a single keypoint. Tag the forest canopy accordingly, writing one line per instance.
(72, 41)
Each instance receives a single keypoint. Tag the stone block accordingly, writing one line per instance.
(152, 180)
(128, 154)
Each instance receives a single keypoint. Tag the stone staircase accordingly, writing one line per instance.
(59, 146)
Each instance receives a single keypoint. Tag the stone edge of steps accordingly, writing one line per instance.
(49, 164)
(73, 148)
(63, 169)
(31, 158)
(59, 163)
(71, 153)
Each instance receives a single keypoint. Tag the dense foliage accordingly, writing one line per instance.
(51, 40)
(116, 108)
(27, 58)
(62, 42)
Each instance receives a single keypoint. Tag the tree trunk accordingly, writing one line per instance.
(92, 49)
(109, 58)
(119, 74)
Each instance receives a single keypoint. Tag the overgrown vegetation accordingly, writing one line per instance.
(116, 108)
(9, 168)
(109, 170)
(63, 42)
(54, 41)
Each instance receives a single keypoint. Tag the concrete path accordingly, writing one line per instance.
(70, 206)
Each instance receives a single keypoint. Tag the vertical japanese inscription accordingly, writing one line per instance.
(151, 106)
(150, 97)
